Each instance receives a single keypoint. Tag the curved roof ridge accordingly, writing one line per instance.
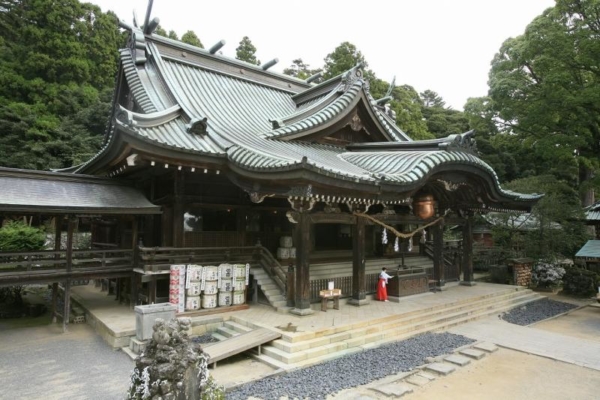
(136, 86)
(149, 120)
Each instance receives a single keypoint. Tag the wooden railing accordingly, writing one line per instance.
(45, 265)
(155, 259)
(341, 282)
(452, 257)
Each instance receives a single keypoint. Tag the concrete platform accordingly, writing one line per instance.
(116, 322)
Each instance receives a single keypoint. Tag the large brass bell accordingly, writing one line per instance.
(424, 206)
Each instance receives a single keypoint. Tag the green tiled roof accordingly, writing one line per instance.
(590, 249)
(256, 120)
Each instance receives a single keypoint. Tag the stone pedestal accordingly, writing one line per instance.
(146, 315)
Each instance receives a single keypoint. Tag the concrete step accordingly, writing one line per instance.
(239, 328)
(129, 353)
(218, 336)
(227, 332)
(307, 351)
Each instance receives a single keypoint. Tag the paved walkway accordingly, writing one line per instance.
(577, 351)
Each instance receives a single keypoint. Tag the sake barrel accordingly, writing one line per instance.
(283, 253)
(239, 297)
(292, 252)
(211, 273)
(193, 289)
(210, 287)
(285, 241)
(226, 271)
(225, 298)
(195, 273)
(238, 285)
(226, 285)
(239, 271)
(192, 303)
(209, 300)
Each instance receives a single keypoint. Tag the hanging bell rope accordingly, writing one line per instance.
(394, 231)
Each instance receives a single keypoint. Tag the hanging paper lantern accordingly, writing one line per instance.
(396, 245)
(384, 238)
(410, 246)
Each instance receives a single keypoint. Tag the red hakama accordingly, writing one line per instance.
(381, 290)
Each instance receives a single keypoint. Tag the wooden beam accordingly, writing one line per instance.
(178, 209)
(467, 251)
(438, 254)
(67, 305)
(57, 242)
(359, 291)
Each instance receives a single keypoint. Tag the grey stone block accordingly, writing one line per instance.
(458, 360)
(146, 315)
(441, 369)
(394, 389)
(418, 380)
(474, 354)
(487, 347)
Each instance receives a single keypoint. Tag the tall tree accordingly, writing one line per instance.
(300, 70)
(432, 99)
(246, 51)
(55, 60)
(173, 35)
(343, 58)
(545, 85)
(191, 38)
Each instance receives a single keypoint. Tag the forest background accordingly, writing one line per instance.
(539, 126)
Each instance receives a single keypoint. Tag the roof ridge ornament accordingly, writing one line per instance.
(197, 126)
(350, 77)
(462, 142)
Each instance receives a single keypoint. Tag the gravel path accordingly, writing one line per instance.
(536, 311)
(317, 381)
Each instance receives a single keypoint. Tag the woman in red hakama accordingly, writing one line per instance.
(382, 285)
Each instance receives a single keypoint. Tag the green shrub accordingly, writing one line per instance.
(17, 236)
(580, 281)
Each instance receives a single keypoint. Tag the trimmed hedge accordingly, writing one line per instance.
(580, 281)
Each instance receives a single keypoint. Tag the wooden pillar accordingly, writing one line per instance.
(178, 209)
(69, 268)
(438, 254)
(57, 243)
(467, 252)
(302, 285)
(359, 284)
(135, 246)
(290, 285)
(152, 290)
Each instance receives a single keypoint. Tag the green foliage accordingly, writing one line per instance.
(580, 281)
(191, 38)
(56, 59)
(343, 58)
(246, 51)
(560, 205)
(545, 87)
(17, 236)
(300, 70)
(173, 35)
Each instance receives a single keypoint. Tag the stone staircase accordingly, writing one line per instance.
(307, 348)
(270, 289)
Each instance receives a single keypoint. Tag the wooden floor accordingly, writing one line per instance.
(238, 344)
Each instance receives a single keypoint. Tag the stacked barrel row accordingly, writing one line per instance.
(286, 249)
(208, 286)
